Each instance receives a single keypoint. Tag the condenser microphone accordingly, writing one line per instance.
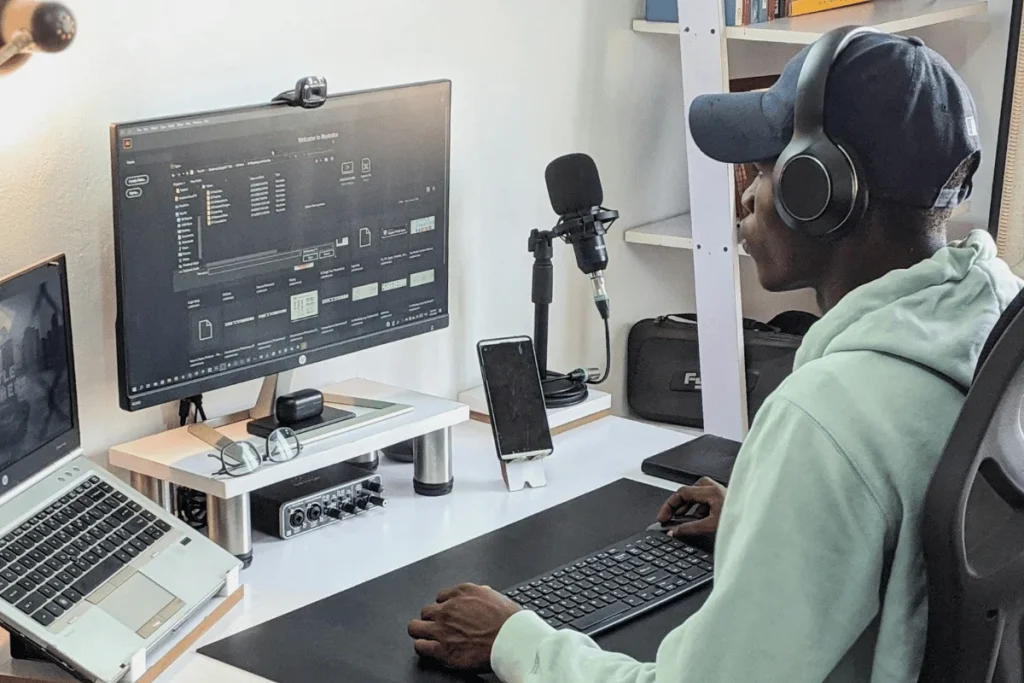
(30, 25)
(574, 188)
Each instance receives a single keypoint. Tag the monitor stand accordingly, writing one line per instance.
(229, 522)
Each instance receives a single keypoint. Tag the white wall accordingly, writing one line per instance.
(532, 79)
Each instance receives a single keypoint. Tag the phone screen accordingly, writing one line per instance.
(515, 397)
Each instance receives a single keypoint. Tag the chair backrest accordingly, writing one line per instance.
(974, 524)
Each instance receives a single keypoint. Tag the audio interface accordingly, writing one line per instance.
(310, 501)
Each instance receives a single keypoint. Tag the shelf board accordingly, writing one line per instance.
(675, 232)
(892, 16)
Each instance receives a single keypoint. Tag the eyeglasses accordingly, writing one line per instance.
(239, 458)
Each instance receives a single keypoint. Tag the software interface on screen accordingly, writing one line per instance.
(252, 235)
(35, 389)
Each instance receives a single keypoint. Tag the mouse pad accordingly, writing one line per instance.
(360, 634)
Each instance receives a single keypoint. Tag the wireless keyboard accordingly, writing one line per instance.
(616, 584)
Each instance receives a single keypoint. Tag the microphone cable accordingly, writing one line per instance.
(575, 390)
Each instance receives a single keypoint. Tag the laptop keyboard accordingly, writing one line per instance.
(61, 555)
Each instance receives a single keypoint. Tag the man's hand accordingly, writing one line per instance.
(707, 491)
(459, 630)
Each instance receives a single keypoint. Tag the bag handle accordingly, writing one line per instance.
(691, 318)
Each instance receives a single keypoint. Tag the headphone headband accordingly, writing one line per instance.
(809, 109)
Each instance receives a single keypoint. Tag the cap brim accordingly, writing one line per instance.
(732, 128)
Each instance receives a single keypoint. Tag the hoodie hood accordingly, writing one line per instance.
(923, 313)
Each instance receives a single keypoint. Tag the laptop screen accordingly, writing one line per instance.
(38, 415)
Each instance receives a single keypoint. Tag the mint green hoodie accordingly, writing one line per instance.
(819, 573)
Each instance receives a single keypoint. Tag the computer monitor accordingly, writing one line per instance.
(253, 241)
(38, 406)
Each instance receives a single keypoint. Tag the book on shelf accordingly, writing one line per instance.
(747, 12)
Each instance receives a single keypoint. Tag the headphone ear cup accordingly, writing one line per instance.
(817, 189)
(861, 198)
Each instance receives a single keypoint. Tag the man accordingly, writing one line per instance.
(819, 572)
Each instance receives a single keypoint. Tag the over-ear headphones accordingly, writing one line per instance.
(817, 188)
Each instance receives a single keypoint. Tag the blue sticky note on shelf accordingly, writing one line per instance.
(662, 10)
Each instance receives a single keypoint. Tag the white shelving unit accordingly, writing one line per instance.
(708, 230)
(675, 232)
(894, 16)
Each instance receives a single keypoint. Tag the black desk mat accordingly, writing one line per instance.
(360, 635)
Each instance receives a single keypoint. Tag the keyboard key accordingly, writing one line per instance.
(140, 544)
(135, 507)
(44, 571)
(27, 585)
(119, 497)
(73, 595)
(65, 577)
(136, 525)
(48, 591)
(106, 487)
(64, 602)
(634, 601)
(44, 617)
(131, 550)
(694, 573)
(126, 558)
(31, 603)
(162, 525)
(54, 609)
(35, 576)
(73, 570)
(105, 527)
(97, 576)
(18, 569)
(97, 494)
(13, 594)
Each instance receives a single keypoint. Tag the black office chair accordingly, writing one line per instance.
(974, 524)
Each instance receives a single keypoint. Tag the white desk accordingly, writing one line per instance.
(413, 527)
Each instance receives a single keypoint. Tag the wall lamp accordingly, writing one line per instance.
(28, 26)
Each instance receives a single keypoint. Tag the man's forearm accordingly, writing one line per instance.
(530, 651)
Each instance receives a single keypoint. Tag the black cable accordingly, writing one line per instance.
(191, 504)
(607, 353)
(574, 392)
(184, 408)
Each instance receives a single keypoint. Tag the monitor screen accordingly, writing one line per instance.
(38, 414)
(256, 240)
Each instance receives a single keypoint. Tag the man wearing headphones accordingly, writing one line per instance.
(819, 572)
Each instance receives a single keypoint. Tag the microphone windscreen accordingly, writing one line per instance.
(573, 184)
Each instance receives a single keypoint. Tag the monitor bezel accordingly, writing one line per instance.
(70, 441)
(147, 399)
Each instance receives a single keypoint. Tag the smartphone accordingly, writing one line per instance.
(515, 398)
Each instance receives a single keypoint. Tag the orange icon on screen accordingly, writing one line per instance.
(127, 143)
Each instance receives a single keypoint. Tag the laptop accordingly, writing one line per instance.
(91, 571)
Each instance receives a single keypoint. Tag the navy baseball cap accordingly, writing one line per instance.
(894, 103)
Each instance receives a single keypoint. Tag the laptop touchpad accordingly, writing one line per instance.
(141, 605)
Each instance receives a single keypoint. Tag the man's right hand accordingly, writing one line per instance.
(707, 491)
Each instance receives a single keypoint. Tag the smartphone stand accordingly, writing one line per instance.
(518, 474)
